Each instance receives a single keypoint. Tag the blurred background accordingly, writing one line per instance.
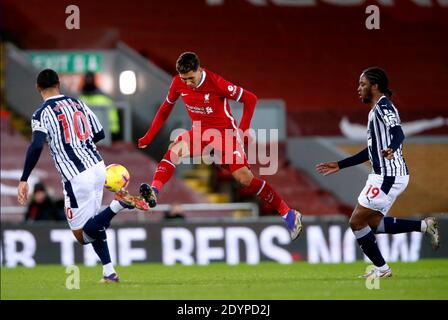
(302, 59)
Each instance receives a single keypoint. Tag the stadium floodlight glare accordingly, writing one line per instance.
(128, 82)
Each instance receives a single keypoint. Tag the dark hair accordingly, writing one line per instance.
(187, 61)
(378, 76)
(39, 187)
(47, 78)
(89, 86)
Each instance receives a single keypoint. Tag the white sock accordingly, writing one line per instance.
(115, 206)
(108, 269)
(424, 226)
(284, 216)
(384, 268)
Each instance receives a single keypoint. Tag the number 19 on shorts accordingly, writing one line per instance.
(372, 191)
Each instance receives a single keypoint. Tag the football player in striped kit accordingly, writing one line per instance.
(71, 130)
(389, 176)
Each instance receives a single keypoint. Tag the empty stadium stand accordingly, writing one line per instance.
(310, 56)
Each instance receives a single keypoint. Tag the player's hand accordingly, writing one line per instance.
(22, 195)
(142, 143)
(388, 153)
(327, 168)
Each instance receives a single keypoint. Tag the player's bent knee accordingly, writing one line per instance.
(81, 242)
(245, 179)
(375, 221)
(356, 224)
(173, 145)
(352, 224)
(179, 147)
(79, 237)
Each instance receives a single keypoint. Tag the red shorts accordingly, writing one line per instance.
(223, 147)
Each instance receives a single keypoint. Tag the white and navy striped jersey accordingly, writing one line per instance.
(70, 126)
(382, 118)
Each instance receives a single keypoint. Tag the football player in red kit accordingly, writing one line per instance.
(206, 96)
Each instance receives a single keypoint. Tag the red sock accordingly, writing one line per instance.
(165, 170)
(265, 192)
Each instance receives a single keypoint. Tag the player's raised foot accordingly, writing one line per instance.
(148, 193)
(376, 272)
(294, 222)
(432, 230)
(113, 278)
(130, 202)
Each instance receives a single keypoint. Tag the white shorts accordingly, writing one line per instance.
(380, 192)
(83, 195)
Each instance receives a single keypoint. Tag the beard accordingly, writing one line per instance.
(368, 98)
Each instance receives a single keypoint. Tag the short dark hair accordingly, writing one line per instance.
(47, 78)
(378, 76)
(187, 61)
(39, 187)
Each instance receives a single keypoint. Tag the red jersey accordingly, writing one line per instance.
(208, 102)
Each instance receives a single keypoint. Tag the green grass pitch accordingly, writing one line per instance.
(426, 279)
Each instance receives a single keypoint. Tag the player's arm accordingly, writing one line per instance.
(97, 129)
(98, 136)
(32, 157)
(392, 121)
(327, 168)
(158, 122)
(161, 116)
(249, 100)
(397, 140)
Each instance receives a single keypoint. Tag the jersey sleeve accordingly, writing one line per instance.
(173, 92)
(389, 115)
(38, 122)
(95, 124)
(228, 89)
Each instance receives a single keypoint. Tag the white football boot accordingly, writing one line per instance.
(432, 230)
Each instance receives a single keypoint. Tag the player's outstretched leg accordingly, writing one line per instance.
(129, 201)
(149, 193)
(428, 226)
(163, 174)
(292, 218)
(264, 191)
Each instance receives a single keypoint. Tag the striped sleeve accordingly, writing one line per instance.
(38, 121)
(389, 115)
(93, 120)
